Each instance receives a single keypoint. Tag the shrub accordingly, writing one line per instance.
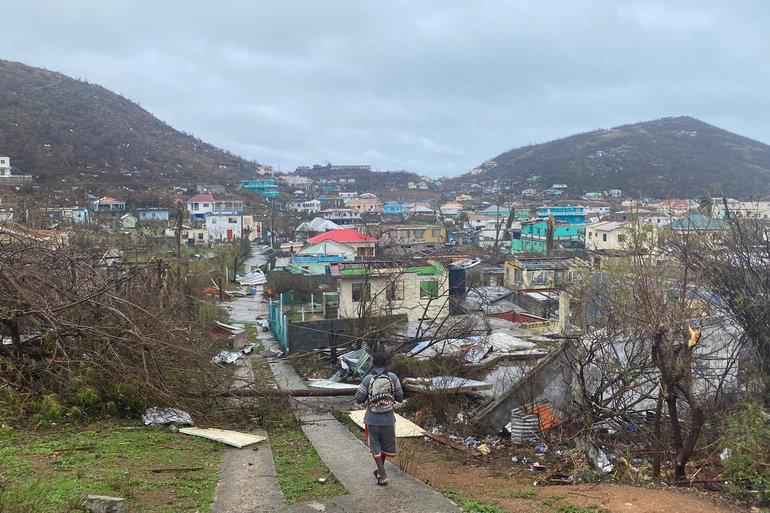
(747, 438)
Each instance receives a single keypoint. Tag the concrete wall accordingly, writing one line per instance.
(549, 381)
(308, 335)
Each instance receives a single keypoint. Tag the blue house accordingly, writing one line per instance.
(568, 214)
(153, 214)
(393, 208)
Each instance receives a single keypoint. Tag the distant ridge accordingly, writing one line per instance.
(677, 156)
(67, 132)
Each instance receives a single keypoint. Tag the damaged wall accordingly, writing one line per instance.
(549, 381)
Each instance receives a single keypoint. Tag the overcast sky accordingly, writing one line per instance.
(434, 87)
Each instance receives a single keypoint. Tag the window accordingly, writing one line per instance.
(590, 235)
(519, 276)
(213, 220)
(395, 290)
(435, 232)
(621, 238)
(604, 237)
(541, 277)
(428, 289)
(232, 220)
(360, 291)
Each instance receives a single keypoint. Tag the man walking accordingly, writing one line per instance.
(380, 390)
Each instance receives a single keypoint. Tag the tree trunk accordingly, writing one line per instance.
(676, 433)
(656, 443)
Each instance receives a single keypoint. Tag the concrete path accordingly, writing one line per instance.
(351, 462)
(248, 480)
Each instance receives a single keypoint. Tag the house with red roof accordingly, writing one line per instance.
(363, 244)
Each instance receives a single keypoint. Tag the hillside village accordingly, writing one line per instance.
(512, 302)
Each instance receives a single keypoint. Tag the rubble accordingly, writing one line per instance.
(104, 504)
(155, 416)
(231, 357)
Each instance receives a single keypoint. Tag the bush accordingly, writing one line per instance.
(747, 438)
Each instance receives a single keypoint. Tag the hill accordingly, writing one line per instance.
(678, 156)
(68, 132)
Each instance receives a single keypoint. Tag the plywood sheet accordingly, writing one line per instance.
(232, 438)
(405, 428)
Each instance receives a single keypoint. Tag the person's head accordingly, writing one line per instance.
(380, 359)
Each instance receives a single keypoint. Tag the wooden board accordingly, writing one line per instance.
(232, 438)
(405, 428)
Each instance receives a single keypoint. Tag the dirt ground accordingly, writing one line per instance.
(511, 486)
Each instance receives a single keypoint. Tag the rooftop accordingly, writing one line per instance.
(342, 235)
(361, 268)
(200, 198)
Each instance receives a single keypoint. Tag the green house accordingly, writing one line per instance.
(532, 238)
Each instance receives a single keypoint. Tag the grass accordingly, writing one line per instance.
(469, 505)
(569, 508)
(297, 463)
(553, 499)
(52, 471)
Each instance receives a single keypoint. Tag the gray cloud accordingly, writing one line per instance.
(434, 87)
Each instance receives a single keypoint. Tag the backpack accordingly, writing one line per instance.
(381, 398)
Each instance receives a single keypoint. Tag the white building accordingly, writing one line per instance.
(307, 207)
(230, 226)
(5, 167)
(608, 235)
(341, 215)
(419, 292)
(128, 221)
(529, 192)
(742, 209)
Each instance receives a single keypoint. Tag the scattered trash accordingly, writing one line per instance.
(104, 504)
(538, 467)
(228, 332)
(598, 458)
(232, 356)
(541, 448)
(725, 454)
(271, 352)
(325, 383)
(548, 418)
(321, 479)
(255, 277)
(523, 427)
(445, 384)
(356, 363)
(232, 438)
(484, 449)
(155, 416)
